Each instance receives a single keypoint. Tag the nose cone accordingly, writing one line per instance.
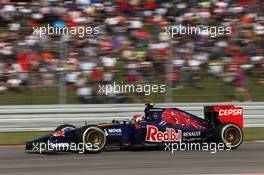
(31, 144)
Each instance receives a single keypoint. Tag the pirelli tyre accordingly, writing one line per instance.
(65, 127)
(230, 134)
(93, 138)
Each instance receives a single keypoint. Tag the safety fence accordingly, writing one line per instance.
(48, 117)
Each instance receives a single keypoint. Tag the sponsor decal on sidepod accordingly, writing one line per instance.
(230, 112)
(170, 135)
(113, 132)
(192, 134)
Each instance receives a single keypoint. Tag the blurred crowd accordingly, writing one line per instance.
(132, 46)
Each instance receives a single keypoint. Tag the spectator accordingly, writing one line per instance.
(240, 84)
(14, 83)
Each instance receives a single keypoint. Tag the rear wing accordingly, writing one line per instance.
(224, 114)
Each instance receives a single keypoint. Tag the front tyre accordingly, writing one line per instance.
(94, 139)
(230, 134)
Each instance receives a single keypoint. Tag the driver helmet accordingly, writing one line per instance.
(138, 118)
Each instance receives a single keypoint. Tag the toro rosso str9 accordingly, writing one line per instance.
(221, 123)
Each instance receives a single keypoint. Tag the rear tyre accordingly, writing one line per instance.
(65, 127)
(94, 139)
(230, 134)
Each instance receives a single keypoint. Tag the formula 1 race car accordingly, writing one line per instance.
(221, 123)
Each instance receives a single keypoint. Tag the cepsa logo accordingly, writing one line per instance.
(232, 112)
(170, 135)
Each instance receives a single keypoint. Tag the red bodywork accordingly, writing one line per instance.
(230, 114)
(174, 117)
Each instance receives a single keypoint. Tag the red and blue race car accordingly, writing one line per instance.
(221, 123)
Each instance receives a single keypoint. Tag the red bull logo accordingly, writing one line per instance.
(170, 135)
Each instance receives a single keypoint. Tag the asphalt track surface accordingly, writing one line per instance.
(248, 159)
